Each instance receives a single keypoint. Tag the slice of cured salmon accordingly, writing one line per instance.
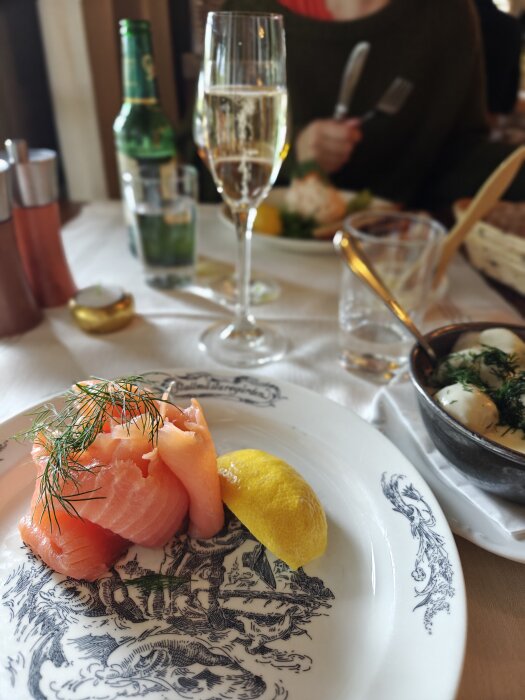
(139, 499)
(69, 545)
(137, 481)
(186, 446)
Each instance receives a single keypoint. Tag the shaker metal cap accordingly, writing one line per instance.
(34, 174)
(5, 191)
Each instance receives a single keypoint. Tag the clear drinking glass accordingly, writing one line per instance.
(403, 249)
(163, 211)
(262, 289)
(245, 116)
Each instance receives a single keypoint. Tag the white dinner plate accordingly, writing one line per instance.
(381, 615)
(299, 245)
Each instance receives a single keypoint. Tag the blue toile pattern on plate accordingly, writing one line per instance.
(198, 619)
(432, 568)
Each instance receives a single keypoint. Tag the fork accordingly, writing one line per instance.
(392, 100)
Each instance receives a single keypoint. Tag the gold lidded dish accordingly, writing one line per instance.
(102, 308)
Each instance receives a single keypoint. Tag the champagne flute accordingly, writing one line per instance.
(262, 290)
(199, 138)
(245, 119)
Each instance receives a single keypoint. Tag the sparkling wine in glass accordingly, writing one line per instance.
(245, 116)
(262, 289)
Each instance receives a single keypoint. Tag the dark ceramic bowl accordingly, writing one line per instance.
(489, 465)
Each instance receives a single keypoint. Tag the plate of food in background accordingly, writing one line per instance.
(304, 217)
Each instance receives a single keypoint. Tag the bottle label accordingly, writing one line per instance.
(138, 69)
(143, 133)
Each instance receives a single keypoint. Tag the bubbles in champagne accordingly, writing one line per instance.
(246, 140)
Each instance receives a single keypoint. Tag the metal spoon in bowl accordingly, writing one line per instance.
(356, 259)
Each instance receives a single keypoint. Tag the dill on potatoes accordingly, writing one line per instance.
(465, 369)
(509, 398)
(466, 374)
(502, 364)
(65, 434)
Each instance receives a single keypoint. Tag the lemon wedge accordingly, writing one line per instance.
(275, 503)
(268, 220)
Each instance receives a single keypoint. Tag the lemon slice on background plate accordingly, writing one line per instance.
(268, 220)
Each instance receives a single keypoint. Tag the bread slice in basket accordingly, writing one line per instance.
(496, 245)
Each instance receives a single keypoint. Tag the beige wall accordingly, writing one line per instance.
(73, 97)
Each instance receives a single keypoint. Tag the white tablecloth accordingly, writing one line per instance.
(165, 333)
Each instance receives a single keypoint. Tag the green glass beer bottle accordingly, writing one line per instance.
(144, 136)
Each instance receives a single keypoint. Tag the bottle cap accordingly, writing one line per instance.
(5, 191)
(102, 309)
(34, 174)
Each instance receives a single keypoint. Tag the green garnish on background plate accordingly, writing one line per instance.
(297, 226)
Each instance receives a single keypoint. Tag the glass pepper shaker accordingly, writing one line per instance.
(36, 217)
(19, 311)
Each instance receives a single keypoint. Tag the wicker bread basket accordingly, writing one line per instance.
(496, 245)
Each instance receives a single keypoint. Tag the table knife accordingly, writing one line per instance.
(352, 73)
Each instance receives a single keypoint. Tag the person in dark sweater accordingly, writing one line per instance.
(501, 34)
(436, 149)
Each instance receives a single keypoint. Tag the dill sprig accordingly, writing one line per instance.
(509, 400)
(66, 434)
(502, 364)
(458, 369)
(472, 368)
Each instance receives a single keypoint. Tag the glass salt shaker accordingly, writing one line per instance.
(19, 311)
(36, 217)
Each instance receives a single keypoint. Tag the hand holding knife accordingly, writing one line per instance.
(352, 73)
(325, 142)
